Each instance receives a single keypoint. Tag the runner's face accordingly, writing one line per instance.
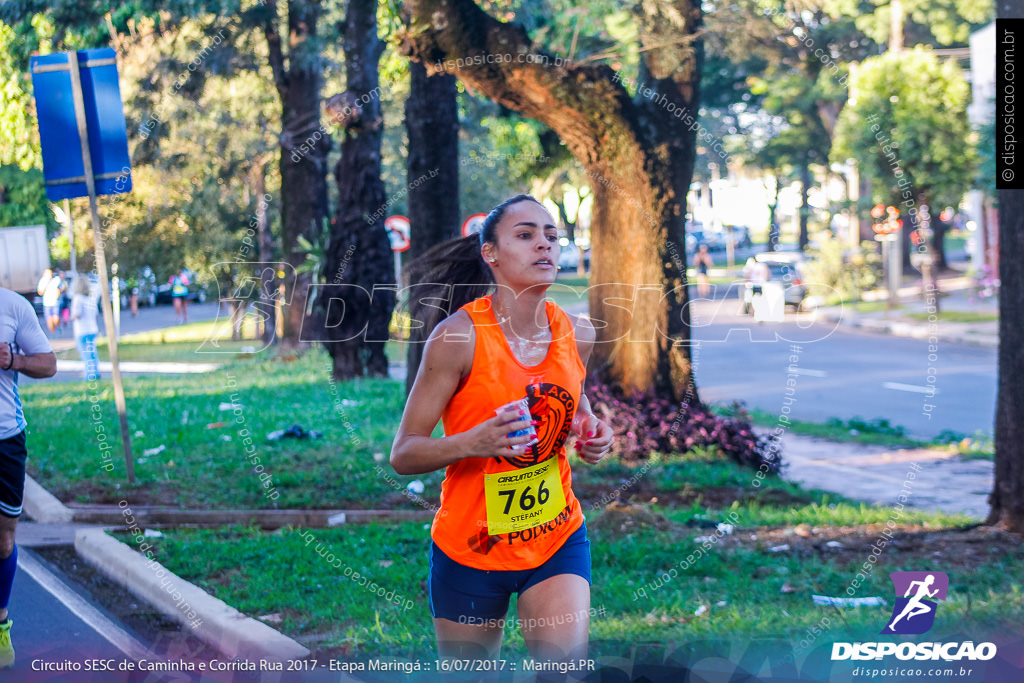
(527, 249)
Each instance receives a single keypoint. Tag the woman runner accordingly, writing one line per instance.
(508, 521)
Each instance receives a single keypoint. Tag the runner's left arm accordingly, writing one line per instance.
(594, 436)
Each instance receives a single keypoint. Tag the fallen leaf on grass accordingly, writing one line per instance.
(275, 618)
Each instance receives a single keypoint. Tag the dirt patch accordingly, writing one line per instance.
(619, 519)
(163, 635)
(956, 548)
(91, 493)
(646, 490)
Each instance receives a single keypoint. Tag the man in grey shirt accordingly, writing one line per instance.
(23, 349)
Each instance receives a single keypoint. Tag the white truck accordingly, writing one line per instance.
(24, 255)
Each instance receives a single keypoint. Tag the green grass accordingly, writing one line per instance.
(204, 342)
(765, 594)
(866, 306)
(855, 430)
(875, 432)
(568, 291)
(958, 317)
(174, 411)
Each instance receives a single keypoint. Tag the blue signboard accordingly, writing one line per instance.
(63, 168)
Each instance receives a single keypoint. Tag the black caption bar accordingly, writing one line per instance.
(1009, 122)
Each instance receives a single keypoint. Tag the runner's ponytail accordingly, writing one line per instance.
(451, 274)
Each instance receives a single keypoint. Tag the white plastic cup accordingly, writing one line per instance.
(523, 405)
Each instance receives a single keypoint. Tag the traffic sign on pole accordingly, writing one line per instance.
(61, 142)
(398, 232)
(473, 224)
(85, 153)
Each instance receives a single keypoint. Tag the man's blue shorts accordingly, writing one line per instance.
(466, 594)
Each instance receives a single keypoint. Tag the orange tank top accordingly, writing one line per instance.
(529, 493)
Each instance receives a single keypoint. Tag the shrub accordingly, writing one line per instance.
(840, 276)
(644, 423)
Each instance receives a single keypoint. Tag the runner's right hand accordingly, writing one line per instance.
(490, 439)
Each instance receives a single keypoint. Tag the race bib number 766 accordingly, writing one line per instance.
(525, 498)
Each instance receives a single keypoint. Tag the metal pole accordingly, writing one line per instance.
(887, 265)
(71, 236)
(101, 263)
(895, 268)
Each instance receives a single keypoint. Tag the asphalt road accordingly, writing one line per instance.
(54, 624)
(841, 372)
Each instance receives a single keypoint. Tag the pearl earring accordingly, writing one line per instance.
(490, 260)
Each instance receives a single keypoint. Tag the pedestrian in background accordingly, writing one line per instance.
(703, 261)
(179, 292)
(65, 300)
(132, 283)
(83, 317)
(50, 288)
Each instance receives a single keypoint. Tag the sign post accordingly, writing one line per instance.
(887, 232)
(398, 232)
(81, 121)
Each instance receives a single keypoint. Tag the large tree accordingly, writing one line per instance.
(359, 296)
(1007, 497)
(304, 144)
(916, 153)
(637, 151)
(294, 52)
(432, 122)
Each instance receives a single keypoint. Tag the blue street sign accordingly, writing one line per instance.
(63, 169)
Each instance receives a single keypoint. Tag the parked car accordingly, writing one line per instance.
(569, 257)
(785, 268)
(694, 237)
(740, 236)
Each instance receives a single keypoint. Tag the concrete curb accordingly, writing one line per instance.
(899, 328)
(212, 620)
(43, 506)
(112, 515)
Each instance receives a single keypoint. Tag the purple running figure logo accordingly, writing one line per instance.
(917, 597)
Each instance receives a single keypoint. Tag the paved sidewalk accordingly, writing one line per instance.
(941, 481)
(956, 296)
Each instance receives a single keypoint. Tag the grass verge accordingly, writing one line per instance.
(193, 433)
(872, 432)
(756, 582)
(202, 342)
(957, 317)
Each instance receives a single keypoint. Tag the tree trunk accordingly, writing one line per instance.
(938, 245)
(432, 122)
(1007, 499)
(265, 305)
(237, 315)
(805, 207)
(359, 297)
(304, 147)
(773, 233)
(639, 155)
(867, 234)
